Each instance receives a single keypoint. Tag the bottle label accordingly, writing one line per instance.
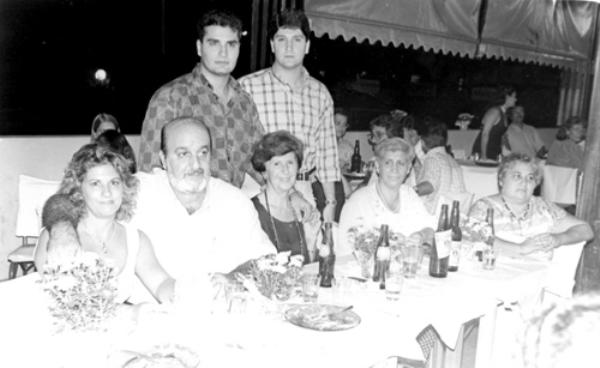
(454, 259)
(443, 243)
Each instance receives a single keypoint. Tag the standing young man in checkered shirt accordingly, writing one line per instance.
(210, 94)
(288, 98)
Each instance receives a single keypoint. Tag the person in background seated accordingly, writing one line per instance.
(440, 173)
(198, 224)
(387, 200)
(523, 138)
(278, 157)
(102, 193)
(563, 334)
(103, 122)
(488, 143)
(525, 224)
(568, 148)
(117, 142)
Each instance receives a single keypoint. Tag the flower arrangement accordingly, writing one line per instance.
(82, 292)
(464, 120)
(477, 231)
(365, 239)
(275, 276)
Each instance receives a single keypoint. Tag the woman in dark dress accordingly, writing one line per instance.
(488, 143)
(278, 156)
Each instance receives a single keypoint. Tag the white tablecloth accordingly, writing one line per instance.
(560, 184)
(481, 181)
(387, 328)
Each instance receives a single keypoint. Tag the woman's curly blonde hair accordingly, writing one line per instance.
(88, 157)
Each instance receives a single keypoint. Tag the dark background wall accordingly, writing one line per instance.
(49, 50)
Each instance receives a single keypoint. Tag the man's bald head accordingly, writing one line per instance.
(176, 125)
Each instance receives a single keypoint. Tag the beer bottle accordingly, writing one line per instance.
(456, 244)
(356, 160)
(383, 242)
(326, 257)
(440, 250)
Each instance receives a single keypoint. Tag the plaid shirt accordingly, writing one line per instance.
(307, 114)
(234, 127)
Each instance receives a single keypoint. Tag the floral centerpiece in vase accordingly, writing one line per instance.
(477, 234)
(365, 241)
(464, 120)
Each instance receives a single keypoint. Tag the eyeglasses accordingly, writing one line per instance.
(517, 176)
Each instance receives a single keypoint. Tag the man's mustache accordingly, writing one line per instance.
(199, 172)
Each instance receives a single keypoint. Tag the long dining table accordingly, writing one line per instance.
(253, 338)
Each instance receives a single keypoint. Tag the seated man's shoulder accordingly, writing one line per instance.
(224, 189)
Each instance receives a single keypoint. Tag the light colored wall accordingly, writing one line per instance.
(47, 156)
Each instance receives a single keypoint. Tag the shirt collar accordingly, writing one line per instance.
(201, 80)
(303, 75)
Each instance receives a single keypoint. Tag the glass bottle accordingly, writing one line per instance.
(383, 242)
(489, 253)
(326, 257)
(440, 250)
(454, 260)
(356, 160)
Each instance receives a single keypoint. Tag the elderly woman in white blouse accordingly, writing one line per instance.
(387, 200)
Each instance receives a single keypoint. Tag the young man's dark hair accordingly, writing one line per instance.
(290, 19)
(436, 133)
(218, 18)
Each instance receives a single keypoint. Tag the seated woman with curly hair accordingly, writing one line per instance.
(102, 191)
(526, 224)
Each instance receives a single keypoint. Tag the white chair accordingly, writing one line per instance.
(33, 193)
(561, 273)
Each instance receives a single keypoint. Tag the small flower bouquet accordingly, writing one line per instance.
(365, 242)
(274, 276)
(477, 231)
(82, 292)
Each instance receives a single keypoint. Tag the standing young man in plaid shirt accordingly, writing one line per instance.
(288, 98)
(210, 94)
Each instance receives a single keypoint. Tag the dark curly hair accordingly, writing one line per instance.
(88, 157)
(289, 19)
(220, 18)
(274, 144)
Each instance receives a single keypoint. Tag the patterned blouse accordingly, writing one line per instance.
(540, 217)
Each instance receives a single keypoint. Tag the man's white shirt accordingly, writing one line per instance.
(222, 234)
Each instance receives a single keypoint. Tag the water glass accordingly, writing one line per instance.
(410, 260)
(488, 258)
(310, 288)
(394, 279)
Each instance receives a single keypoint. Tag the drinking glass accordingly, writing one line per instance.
(410, 260)
(488, 258)
(394, 280)
(310, 287)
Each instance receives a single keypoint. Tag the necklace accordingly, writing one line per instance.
(394, 208)
(303, 248)
(513, 216)
(102, 242)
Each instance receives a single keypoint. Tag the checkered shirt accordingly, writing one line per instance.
(234, 128)
(307, 114)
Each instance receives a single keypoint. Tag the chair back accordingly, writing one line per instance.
(33, 193)
(559, 184)
(561, 274)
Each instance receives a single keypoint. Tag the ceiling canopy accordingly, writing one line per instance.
(554, 32)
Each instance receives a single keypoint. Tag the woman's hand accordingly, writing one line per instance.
(302, 208)
(538, 243)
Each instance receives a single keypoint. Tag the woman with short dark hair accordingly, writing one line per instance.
(278, 156)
